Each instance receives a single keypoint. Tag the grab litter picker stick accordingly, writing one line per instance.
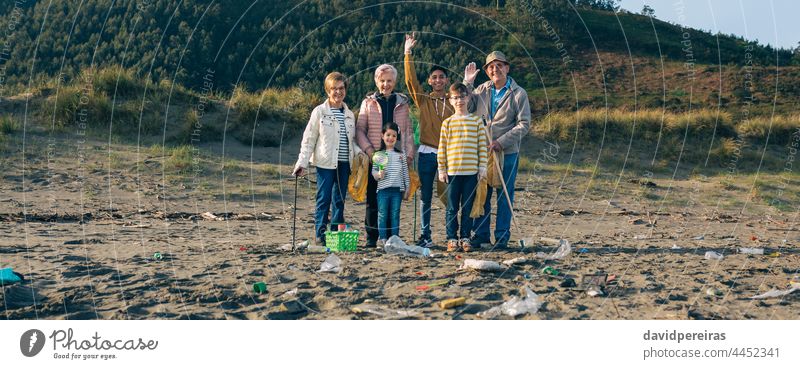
(294, 213)
(415, 217)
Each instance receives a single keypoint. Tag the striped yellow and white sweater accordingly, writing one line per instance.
(462, 145)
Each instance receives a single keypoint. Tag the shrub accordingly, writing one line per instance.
(592, 124)
(118, 81)
(8, 125)
(179, 159)
(779, 128)
(267, 117)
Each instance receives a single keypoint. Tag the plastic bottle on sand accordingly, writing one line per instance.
(317, 249)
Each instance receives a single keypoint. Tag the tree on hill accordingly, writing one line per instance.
(609, 5)
(648, 11)
(796, 58)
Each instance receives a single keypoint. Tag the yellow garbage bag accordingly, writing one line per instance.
(357, 184)
(441, 192)
(479, 199)
(494, 172)
(415, 183)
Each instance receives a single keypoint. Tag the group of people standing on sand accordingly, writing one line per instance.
(460, 126)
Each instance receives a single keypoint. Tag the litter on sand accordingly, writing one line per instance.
(548, 270)
(9, 276)
(590, 280)
(299, 247)
(384, 312)
(515, 261)
(259, 287)
(482, 265)
(593, 284)
(530, 304)
(564, 249)
(777, 292)
(394, 245)
(436, 283)
(451, 303)
(595, 291)
(331, 264)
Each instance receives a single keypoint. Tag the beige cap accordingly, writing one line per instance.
(495, 55)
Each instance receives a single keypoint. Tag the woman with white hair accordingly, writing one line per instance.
(377, 109)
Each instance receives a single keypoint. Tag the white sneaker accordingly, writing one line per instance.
(380, 244)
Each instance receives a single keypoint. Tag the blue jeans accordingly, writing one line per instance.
(426, 167)
(331, 185)
(460, 193)
(502, 229)
(389, 200)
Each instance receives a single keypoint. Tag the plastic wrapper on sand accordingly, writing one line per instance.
(516, 306)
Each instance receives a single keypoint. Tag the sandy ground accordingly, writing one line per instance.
(84, 236)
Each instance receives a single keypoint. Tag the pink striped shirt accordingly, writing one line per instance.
(369, 125)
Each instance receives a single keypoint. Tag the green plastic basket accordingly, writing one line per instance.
(341, 241)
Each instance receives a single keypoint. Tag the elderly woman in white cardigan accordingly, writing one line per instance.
(328, 143)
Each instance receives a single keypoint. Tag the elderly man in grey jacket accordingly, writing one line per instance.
(504, 106)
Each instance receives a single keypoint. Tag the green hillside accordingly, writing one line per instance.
(178, 70)
(291, 44)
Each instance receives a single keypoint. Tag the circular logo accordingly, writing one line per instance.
(31, 342)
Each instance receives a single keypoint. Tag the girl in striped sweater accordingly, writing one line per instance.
(393, 182)
(462, 163)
